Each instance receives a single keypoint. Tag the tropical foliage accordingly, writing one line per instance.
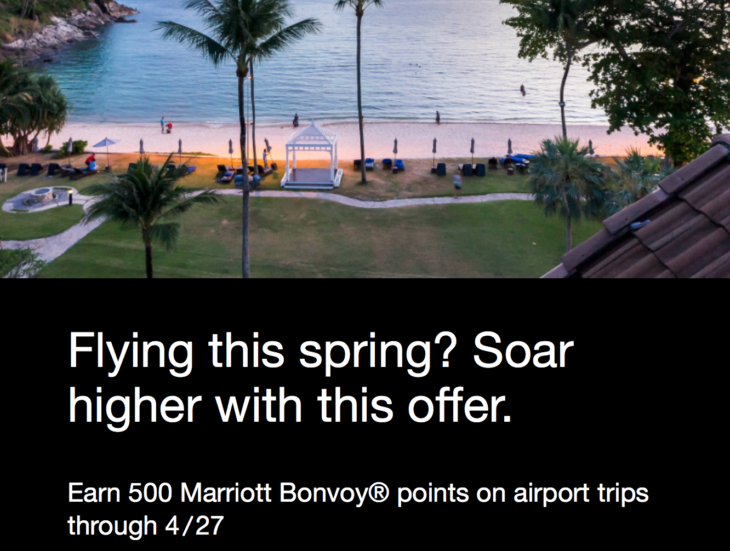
(359, 6)
(30, 104)
(553, 26)
(567, 182)
(20, 263)
(660, 67)
(150, 199)
(636, 177)
(241, 32)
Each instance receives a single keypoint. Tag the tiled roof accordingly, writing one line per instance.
(688, 234)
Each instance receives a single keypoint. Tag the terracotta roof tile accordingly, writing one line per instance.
(688, 234)
(719, 268)
(629, 258)
(694, 170)
(588, 248)
(635, 211)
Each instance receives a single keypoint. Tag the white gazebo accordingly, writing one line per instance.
(311, 138)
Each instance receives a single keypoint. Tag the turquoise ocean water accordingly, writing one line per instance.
(419, 56)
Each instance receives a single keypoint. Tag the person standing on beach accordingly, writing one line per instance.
(295, 122)
(162, 124)
(438, 117)
(457, 185)
(522, 89)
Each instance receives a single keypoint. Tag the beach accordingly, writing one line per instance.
(415, 140)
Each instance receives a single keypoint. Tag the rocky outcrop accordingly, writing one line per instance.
(73, 28)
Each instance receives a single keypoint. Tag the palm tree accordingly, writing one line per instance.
(234, 29)
(566, 181)
(636, 178)
(359, 6)
(149, 198)
(15, 96)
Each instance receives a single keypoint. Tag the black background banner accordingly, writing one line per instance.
(637, 405)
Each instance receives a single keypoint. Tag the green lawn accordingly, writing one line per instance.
(308, 238)
(23, 225)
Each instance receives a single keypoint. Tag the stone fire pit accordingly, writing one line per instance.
(41, 196)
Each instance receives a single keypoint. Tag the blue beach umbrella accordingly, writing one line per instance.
(509, 146)
(434, 152)
(395, 150)
(35, 145)
(179, 149)
(141, 147)
(70, 146)
(472, 151)
(230, 150)
(106, 142)
(590, 148)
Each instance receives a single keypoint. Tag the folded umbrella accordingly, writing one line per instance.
(141, 147)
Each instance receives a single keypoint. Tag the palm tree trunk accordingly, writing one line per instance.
(253, 125)
(568, 236)
(246, 268)
(562, 91)
(359, 101)
(148, 259)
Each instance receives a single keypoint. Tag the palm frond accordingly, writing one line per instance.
(287, 36)
(195, 40)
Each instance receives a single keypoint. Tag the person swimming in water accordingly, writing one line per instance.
(522, 89)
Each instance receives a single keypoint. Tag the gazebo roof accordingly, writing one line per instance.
(312, 135)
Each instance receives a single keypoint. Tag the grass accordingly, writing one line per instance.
(310, 238)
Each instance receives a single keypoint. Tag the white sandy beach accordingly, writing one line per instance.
(415, 140)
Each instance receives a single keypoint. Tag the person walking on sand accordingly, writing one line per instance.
(162, 124)
(438, 117)
(295, 122)
(522, 89)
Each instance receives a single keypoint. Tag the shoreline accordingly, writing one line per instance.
(415, 139)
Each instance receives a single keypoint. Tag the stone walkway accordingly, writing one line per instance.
(52, 247)
(390, 204)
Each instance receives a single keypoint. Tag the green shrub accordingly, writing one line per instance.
(16, 263)
(78, 148)
(47, 149)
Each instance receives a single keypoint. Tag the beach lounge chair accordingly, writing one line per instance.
(52, 169)
(481, 170)
(358, 162)
(238, 179)
(23, 169)
(225, 168)
(369, 164)
(226, 178)
(493, 163)
(399, 164)
(190, 169)
(78, 173)
(171, 167)
(387, 163)
(36, 169)
(523, 156)
(441, 169)
(466, 169)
